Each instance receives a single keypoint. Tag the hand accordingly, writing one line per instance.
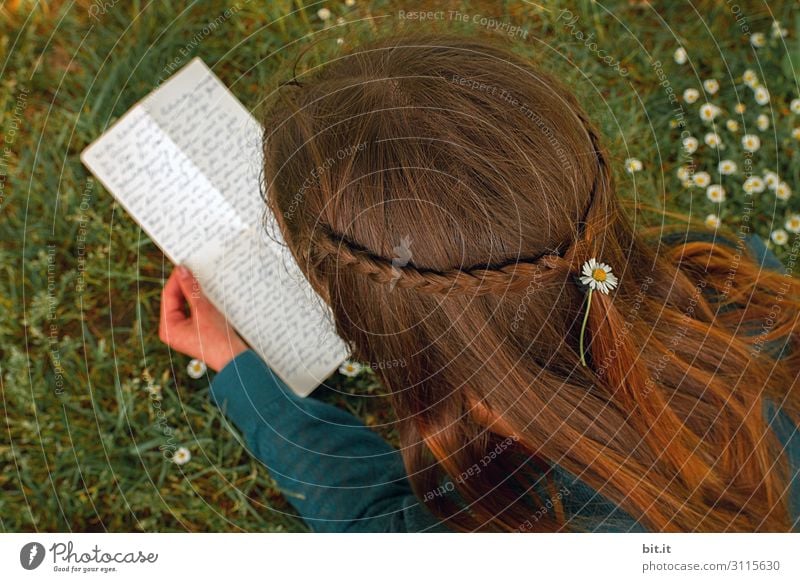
(204, 334)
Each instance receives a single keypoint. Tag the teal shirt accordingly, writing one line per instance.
(341, 476)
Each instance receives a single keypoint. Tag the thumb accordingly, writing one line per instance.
(190, 287)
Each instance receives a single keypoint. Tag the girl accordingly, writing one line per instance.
(562, 372)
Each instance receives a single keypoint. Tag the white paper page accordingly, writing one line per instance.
(160, 187)
(215, 131)
(259, 289)
(184, 163)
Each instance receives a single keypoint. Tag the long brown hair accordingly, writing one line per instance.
(442, 194)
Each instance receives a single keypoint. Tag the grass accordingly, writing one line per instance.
(80, 284)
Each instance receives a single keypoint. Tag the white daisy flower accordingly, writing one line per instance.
(712, 139)
(709, 112)
(598, 276)
(633, 165)
(196, 369)
(751, 142)
(750, 78)
(715, 193)
(701, 179)
(778, 31)
(732, 125)
(796, 133)
(758, 40)
(753, 185)
(350, 368)
(712, 221)
(740, 108)
(793, 223)
(711, 86)
(772, 180)
(795, 105)
(779, 237)
(691, 95)
(762, 122)
(684, 173)
(782, 191)
(727, 167)
(324, 14)
(680, 55)
(181, 456)
(690, 144)
(339, 40)
(761, 95)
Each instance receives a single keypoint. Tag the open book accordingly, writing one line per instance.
(185, 163)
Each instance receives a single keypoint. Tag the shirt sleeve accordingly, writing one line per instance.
(337, 473)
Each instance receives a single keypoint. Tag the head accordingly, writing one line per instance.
(441, 194)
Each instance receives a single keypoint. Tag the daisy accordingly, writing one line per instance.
(727, 167)
(715, 193)
(712, 221)
(633, 165)
(701, 179)
(690, 144)
(795, 105)
(350, 368)
(761, 95)
(771, 180)
(740, 108)
(782, 191)
(340, 40)
(691, 95)
(779, 237)
(796, 133)
(751, 142)
(709, 111)
(732, 125)
(712, 139)
(181, 456)
(711, 86)
(750, 78)
(758, 39)
(753, 185)
(680, 55)
(777, 30)
(792, 223)
(196, 369)
(598, 276)
(324, 14)
(684, 173)
(762, 122)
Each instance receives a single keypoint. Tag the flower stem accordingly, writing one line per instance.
(583, 325)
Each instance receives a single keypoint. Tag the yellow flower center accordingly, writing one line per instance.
(599, 275)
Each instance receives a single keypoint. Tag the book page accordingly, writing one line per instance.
(185, 164)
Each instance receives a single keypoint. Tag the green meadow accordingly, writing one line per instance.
(92, 400)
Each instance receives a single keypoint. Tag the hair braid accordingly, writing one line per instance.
(513, 277)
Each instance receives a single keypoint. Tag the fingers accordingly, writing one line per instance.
(172, 304)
